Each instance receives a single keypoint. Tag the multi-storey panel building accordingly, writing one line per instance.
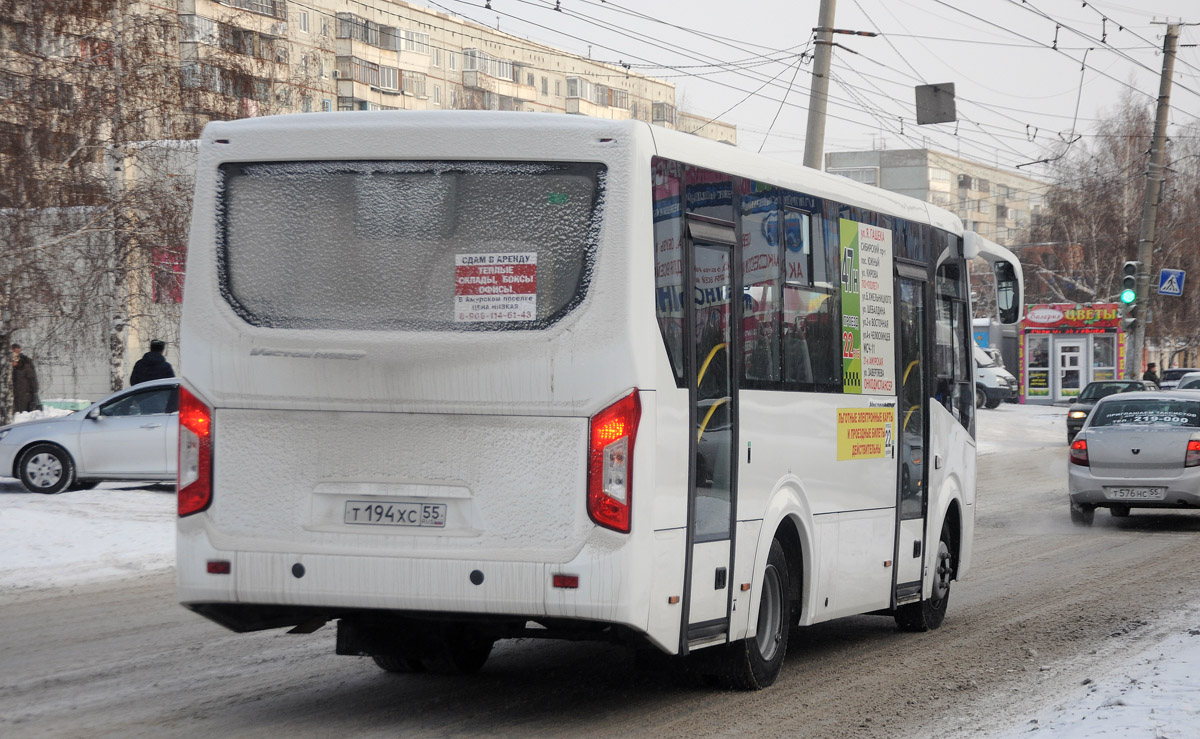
(995, 203)
(275, 55)
(87, 86)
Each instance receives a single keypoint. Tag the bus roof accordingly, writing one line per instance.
(683, 147)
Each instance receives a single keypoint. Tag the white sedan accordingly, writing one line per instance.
(131, 435)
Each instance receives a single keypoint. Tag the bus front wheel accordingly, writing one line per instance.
(754, 663)
(928, 613)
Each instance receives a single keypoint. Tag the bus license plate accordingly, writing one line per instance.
(1134, 493)
(395, 514)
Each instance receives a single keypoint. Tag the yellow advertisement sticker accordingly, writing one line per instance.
(865, 433)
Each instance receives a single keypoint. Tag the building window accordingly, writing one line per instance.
(413, 82)
(557, 88)
(663, 113)
(389, 38)
(529, 79)
(452, 60)
(198, 29)
(360, 29)
(306, 104)
(359, 70)
(865, 175)
(578, 87)
(436, 53)
(302, 20)
(937, 174)
(273, 8)
(416, 42)
(389, 78)
(545, 86)
(437, 95)
(475, 60)
(326, 105)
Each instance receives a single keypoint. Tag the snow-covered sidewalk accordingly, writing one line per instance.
(119, 530)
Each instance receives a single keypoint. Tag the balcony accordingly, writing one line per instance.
(497, 86)
(579, 106)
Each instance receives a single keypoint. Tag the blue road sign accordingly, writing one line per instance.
(1170, 282)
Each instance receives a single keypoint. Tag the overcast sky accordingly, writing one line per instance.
(1016, 94)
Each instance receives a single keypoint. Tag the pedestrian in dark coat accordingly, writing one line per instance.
(24, 382)
(152, 366)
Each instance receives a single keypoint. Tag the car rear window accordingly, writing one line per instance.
(1148, 412)
(435, 246)
(1097, 390)
(1175, 374)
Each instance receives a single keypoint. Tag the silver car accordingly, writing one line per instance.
(1137, 450)
(131, 435)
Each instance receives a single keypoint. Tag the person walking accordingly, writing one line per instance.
(153, 365)
(1151, 374)
(24, 383)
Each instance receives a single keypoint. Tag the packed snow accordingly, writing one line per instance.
(121, 530)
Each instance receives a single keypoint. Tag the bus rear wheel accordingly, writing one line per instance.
(462, 650)
(929, 613)
(754, 663)
(395, 663)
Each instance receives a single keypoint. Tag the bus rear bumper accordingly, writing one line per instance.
(264, 590)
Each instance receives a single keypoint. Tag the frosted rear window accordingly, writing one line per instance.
(407, 245)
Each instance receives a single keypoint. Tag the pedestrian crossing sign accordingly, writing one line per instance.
(1170, 282)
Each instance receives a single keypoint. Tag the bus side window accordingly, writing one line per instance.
(955, 387)
(761, 276)
(811, 352)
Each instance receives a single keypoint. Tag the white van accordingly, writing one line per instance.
(993, 384)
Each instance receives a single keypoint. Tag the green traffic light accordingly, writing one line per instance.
(1128, 296)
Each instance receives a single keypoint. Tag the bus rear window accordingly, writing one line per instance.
(434, 246)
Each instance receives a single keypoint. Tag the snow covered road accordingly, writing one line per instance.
(1058, 632)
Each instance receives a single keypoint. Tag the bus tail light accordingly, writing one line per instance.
(610, 462)
(1193, 454)
(195, 454)
(1079, 452)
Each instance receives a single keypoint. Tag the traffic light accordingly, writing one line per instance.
(1129, 317)
(1129, 283)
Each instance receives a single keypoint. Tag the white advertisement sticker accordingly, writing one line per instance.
(495, 287)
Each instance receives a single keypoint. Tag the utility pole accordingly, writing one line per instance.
(1154, 177)
(818, 96)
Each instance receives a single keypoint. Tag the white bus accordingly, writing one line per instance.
(458, 377)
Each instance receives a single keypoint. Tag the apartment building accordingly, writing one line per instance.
(92, 91)
(275, 56)
(996, 203)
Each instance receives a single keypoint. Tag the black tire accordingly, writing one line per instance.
(1119, 511)
(46, 468)
(754, 663)
(980, 398)
(928, 614)
(1082, 514)
(84, 484)
(395, 663)
(462, 651)
(993, 403)
(1070, 437)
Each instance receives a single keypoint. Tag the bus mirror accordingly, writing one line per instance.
(1008, 293)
